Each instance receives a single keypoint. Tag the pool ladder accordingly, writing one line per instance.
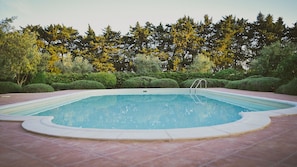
(198, 83)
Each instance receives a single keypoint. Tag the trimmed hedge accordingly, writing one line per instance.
(289, 88)
(138, 82)
(9, 87)
(86, 84)
(164, 83)
(109, 80)
(61, 86)
(210, 83)
(38, 87)
(264, 84)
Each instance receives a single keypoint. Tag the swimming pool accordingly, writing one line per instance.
(149, 111)
(241, 122)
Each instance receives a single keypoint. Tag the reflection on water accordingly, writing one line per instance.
(144, 112)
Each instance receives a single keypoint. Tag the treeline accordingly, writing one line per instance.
(229, 43)
(186, 45)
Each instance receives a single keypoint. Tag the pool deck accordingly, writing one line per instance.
(275, 145)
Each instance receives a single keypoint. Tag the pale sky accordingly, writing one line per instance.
(121, 14)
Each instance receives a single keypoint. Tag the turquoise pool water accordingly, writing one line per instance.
(168, 111)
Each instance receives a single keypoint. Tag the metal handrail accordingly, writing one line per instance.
(198, 82)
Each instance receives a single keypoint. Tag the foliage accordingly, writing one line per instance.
(202, 64)
(9, 87)
(86, 84)
(164, 83)
(138, 82)
(39, 78)
(61, 86)
(289, 88)
(210, 83)
(64, 78)
(19, 56)
(78, 65)
(229, 43)
(109, 80)
(121, 77)
(229, 74)
(38, 87)
(147, 64)
(265, 84)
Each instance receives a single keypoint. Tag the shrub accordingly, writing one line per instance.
(109, 80)
(9, 87)
(64, 78)
(289, 88)
(61, 86)
(122, 77)
(164, 83)
(210, 83)
(86, 84)
(229, 74)
(138, 82)
(39, 78)
(38, 87)
(265, 84)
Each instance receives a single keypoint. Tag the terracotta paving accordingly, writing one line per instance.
(276, 146)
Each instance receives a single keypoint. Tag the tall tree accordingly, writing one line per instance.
(19, 56)
(185, 42)
(223, 55)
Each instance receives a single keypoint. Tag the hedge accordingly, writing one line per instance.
(210, 82)
(86, 84)
(264, 84)
(138, 82)
(38, 87)
(9, 87)
(109, 80)
(289, 88)
(164, 83)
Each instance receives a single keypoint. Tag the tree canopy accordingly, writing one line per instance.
(229, 43)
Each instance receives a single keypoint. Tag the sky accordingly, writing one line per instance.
(121, 14)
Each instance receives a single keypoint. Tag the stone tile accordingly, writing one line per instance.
(133, 156)
(168, 161)
(269, 151)
(98, 162)
(224, 145)
(236, 161)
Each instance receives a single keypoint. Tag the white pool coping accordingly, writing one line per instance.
(250, 121)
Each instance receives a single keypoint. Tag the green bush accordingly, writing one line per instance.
(38, 87)
(39, 78)
(61, 86)
(123, 76)
(64, 78)
(138, 82)
(229, 74)
(9, 87)
(289, 88)
(86, 84)
(109, 80)
(164, 83)
(264, 84)
(210, 83)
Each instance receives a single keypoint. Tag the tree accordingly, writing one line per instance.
(78, 65)
(276, 60)
(147, 63)
(19, 56)
(185, 42)
(202, 64)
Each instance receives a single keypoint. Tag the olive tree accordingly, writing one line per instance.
(19, 56)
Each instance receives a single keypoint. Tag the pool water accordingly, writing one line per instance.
(169, 111)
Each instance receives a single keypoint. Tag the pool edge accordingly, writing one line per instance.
(43, 125)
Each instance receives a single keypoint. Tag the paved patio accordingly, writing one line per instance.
(275, 145)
